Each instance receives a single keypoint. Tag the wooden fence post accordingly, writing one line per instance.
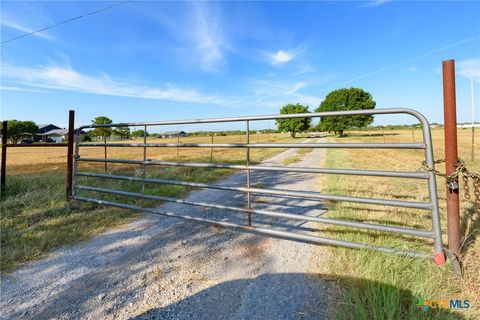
(71, 131)
(4, 155)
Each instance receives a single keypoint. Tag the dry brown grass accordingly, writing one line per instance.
(31, 160)
(422, 279)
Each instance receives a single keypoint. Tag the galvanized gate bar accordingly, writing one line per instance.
(373, 173)
(343, 223)
(274, 233)
(426, 145)
(412, 112)
(265, 145)
(280, 192)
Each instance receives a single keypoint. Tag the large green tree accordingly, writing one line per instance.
(103, 132)
(293, 125)
(138, 133)
(122, 132)
(16, 130)
(346, 99)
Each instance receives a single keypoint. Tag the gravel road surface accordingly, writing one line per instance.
(165, 268)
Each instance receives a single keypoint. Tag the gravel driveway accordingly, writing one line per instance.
(164, 268)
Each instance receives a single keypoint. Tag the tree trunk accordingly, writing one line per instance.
(293, 134)
(341, 133)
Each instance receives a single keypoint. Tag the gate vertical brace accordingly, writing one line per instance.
(71, 134)
(211, 150)
(439, 254)
(451, 154)
(3, 169)
(249, 196)
(105, 153)
(144, 167)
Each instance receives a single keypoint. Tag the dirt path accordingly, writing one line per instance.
(163, 268)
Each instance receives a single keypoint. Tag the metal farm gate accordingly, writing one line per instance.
(432, 205)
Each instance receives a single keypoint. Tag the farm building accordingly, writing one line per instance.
(56, 135)
(42, 131)
(43, 128)
(52, 133)
(172, 134)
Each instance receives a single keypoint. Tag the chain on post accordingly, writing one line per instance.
(452, 179)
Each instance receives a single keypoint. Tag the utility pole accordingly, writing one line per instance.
(473, 119)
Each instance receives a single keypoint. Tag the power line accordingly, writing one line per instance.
(66, 21)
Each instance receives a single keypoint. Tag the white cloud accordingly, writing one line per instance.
(276, 94)
(381, 2)
(14, 25)
(66, 78)
(23, 89)
(469, 68)
(282, 56)
(303, 70)
(376, 3)
(199, 34)
(297, 86)
(208, 37)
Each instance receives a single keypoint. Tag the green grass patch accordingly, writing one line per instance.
(36, 218)
(375, 285)
(297, 157)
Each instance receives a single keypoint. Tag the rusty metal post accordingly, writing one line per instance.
(71, 131)
(451, 155)
(4, 155)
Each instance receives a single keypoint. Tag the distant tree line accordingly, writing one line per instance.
(337, 100)
(17, 130)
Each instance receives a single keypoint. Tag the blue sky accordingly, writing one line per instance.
(145, 61)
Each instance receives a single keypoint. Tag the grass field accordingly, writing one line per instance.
(382, 286)
(23, 161)
(36, 218)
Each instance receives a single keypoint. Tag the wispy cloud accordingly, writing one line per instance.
(199, 34)
(275, 94)
(282, 56)
(68, 79)
(376, 3)
(403, 62)
(297, 86)
(303, 70)
(469, 68)
(208, 36)
(22, 89)
(17, 26)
